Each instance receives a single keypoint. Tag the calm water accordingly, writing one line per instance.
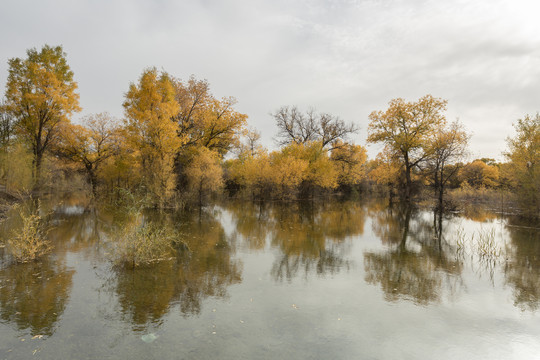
(337, 280)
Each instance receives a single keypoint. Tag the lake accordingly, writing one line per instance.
(332, 280)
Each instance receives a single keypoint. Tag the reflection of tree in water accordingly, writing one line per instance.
(417, 263)
(522, 268)
(311, 237)
(207, 269)
(478, 213)
(252, 222)
(34, 295)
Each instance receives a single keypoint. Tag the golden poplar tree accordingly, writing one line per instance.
(406, 128)
(524, 156)
(40, 95)
(90, 144)
(151, 132)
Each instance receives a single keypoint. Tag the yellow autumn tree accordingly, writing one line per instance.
(385, 170)
(204, 120)
(524, 156)
(204, 173)
(287, 172)
(151, 133)
(405, 128)
(349, 161)
(447, 149)
(479, 174)
(40, 95)
(252, 172)
(90, 144)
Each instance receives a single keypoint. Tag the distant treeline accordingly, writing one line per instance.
(178, 143)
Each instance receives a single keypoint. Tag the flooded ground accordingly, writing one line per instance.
(339, 280)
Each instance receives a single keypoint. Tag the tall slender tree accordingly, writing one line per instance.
(447, 150)
(151, 132)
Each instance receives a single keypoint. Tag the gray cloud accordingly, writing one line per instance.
(344, 57)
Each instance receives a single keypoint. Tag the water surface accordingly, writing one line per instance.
(338, 280)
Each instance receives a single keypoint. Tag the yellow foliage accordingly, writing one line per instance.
(204, 120)
(524, 155)
(406, 129)
(478, 174)
(287, 171)
(40, 94)
(385, 169)
(150, 132)
(16, 168)
(349, 161)
(252, 171)
(30, 241)
(90, 145)
(204, 172)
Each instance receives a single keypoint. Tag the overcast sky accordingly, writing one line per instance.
(344, 57)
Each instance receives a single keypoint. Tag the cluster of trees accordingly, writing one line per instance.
(173, 136)
(176, 138)
(421, 147)
(314, 157)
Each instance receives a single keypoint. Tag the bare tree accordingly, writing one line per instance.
(300, 128)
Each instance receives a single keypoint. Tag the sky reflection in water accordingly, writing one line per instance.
(331, 280)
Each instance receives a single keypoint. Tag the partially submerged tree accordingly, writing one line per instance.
(349, 161)
(301, 128)
(524, 154)
(406, 128)
(204, 173)
(90, 144)
(447, 150)
(151, 132)
(40, 95)
(385, 171)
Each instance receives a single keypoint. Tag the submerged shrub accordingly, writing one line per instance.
(30, 242)
(142, 244)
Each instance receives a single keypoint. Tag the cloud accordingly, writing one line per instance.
(344, 57)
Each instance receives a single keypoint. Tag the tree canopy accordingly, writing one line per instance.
(40, 95)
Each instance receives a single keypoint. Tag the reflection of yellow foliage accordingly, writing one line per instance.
(34, 295)
(478, 213)
(206, 270)
(522, 270)
(312, 236)
(412, 272)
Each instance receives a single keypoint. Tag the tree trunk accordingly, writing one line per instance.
(408, 184)
(37, 170)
